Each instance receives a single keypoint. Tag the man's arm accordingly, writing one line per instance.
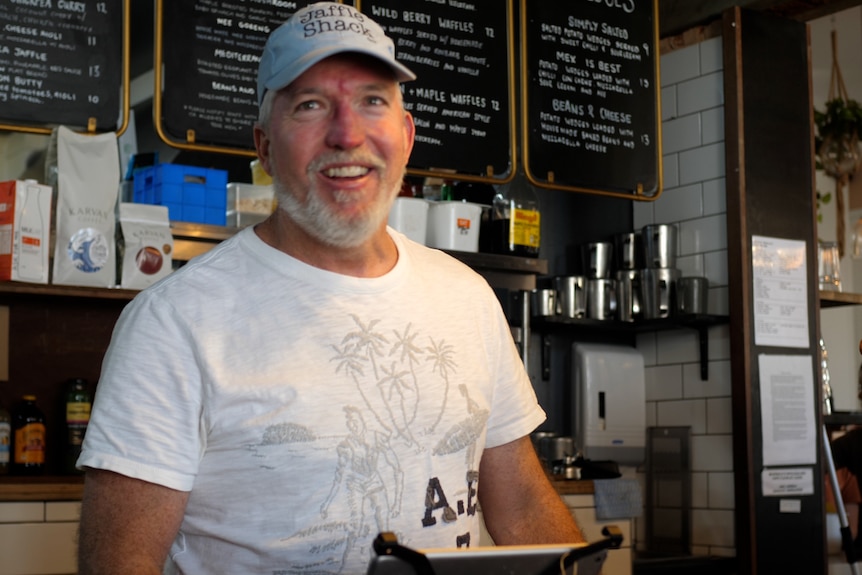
(127, 525)
(519, 504)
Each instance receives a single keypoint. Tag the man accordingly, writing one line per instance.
(307, 383)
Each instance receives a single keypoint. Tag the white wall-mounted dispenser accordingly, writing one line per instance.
(609, 402)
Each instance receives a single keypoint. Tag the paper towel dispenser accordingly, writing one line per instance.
(609, 402)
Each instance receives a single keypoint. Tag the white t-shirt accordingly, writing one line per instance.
(306, 411)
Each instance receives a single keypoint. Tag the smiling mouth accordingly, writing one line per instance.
(346, 172)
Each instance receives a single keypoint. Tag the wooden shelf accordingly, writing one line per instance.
(45, 488)
(511, 264)
(27, 289)
(838, 298)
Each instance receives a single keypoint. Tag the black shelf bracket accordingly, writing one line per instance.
(700, 323)
(703, 334)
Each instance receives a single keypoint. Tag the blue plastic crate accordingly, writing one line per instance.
(192, 194)
(175, 212)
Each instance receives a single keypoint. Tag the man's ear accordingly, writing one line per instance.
(410, 133)
(261, 144)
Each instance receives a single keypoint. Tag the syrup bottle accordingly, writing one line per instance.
(515, 219)
(28, 438)
(78, 405)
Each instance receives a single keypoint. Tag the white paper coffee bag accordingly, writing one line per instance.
(88, 173)
(144, 245)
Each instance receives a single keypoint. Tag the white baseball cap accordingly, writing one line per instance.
(319, 31)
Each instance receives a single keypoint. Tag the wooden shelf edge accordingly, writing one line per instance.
(41, 488)
(838, 298)
(511, 264)
(20, 288)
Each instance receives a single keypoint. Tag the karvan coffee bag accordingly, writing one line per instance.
(144, 245)
(88, 176)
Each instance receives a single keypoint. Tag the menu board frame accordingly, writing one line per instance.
(89, 124)
(483, 173)
(551, 180)
(191, 137)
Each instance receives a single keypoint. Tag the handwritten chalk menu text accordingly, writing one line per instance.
(61, 62)
(591, 95)
(461, 100)
(210, 52)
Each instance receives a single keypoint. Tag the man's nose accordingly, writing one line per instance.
(346, 128)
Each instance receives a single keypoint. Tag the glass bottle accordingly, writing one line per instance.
(78, 406)
(516, 219)
(28, 438)
(5, 440)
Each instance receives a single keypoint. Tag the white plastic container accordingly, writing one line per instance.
(410, 217)
(249, 204)
(454, 226)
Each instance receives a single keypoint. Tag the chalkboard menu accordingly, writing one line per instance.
(463, 98)
(62, 62)
(591, 96)
(210, 51)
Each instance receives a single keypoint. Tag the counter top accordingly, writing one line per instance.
(67, 488)
(573, 486)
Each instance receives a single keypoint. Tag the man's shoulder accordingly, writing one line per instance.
(203, 274)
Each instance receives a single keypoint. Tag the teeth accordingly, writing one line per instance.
(346, 172)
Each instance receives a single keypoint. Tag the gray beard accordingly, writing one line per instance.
(316, 219)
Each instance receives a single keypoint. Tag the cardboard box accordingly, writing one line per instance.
(25, 231)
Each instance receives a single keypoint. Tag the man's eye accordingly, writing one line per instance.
(308, 105)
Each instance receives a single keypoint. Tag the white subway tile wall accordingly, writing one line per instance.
(700, 94)
(699, 164)
(686, 413)
(24, 529)
(712, 125)
(691, 265)
(680, 65)
(668, 103)
(694, 199)
(681, 133)
(721, 490)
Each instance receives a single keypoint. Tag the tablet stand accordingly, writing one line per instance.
(588, 557)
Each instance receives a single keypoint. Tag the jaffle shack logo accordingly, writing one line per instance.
(338, 18)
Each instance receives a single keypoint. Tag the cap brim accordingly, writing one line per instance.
(289, 74)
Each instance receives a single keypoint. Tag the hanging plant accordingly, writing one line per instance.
(822, 199)
(836, 140)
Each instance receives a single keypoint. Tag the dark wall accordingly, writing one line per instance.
(569, 220)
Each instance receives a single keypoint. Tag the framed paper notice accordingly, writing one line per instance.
(787, 409)
(780, 292)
